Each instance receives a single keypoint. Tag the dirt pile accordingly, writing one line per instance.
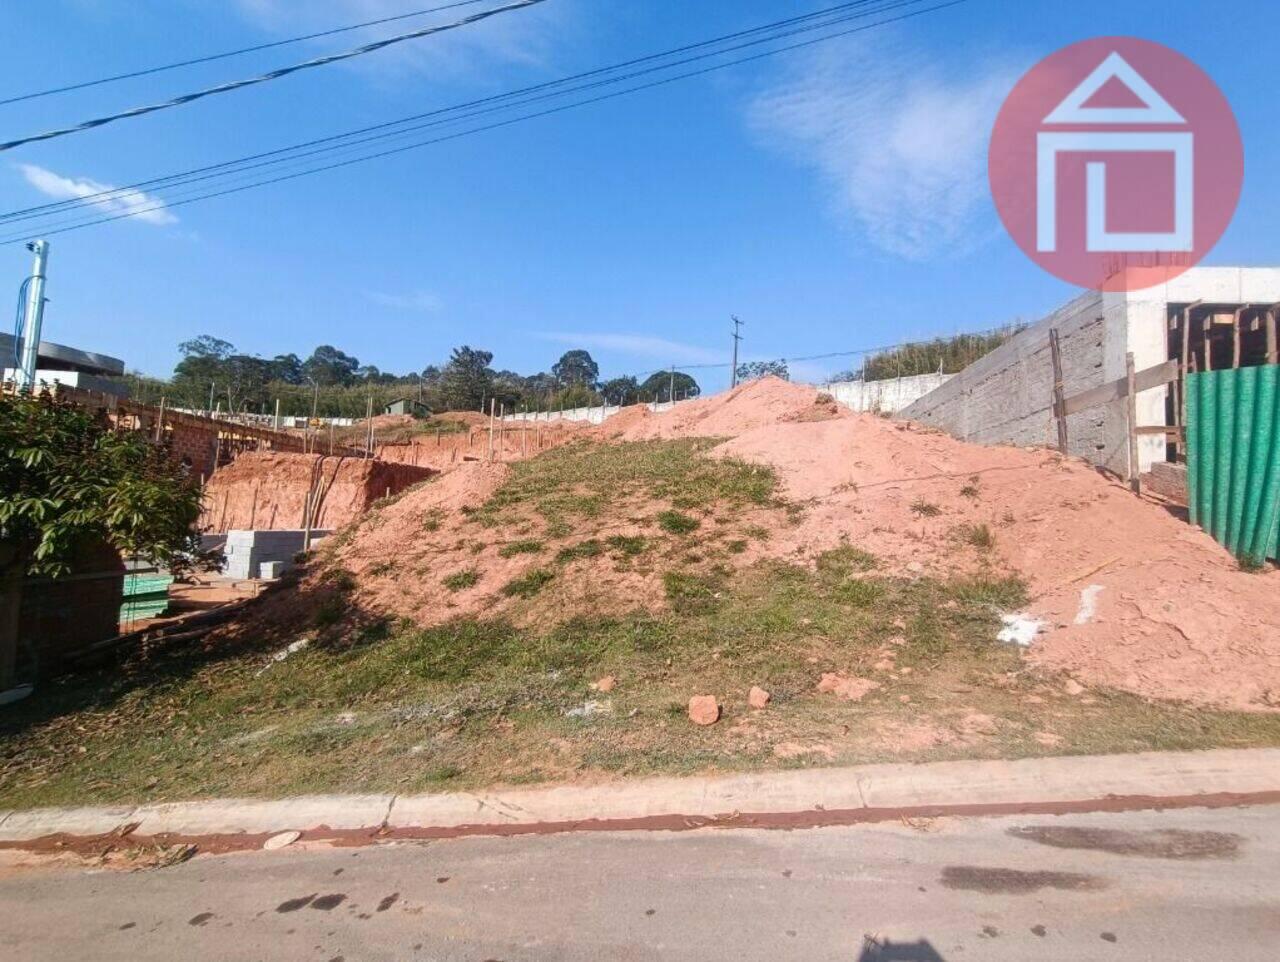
(761, 403)
(1129, 596)
(512, 441)
(267, 490)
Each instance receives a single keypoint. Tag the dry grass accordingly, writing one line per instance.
(476, 702)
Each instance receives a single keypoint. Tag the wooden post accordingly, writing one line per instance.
(1236, 337)
(1132, 403)
(1059, 398)
(1183, 369)
(368, 445)
(502, 428)
(1273, 356)
(1208, 341)
(277, 420)
(493, 407)
(160, 423)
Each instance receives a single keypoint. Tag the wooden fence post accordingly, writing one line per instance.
(1059, 398)
(1132, 403)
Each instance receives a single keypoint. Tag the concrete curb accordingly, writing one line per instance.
(968, 785)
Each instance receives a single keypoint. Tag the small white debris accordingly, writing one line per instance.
(283, 653)
(283, 840)
(1088, 604)
(346, 718)
(1019, 630)
(589, 709)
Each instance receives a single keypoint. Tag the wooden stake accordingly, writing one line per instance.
(1059, 398)
(160, 423)
(493, 407)
(1236, 337)
(1132, 400)
(1273, 356)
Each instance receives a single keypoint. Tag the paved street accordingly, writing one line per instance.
(1181, 885)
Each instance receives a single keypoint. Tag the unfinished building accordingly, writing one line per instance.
(1205, 319)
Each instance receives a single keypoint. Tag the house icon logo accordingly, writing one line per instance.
(1116, 163)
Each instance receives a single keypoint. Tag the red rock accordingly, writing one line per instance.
(704, 710)
(607, 683)
(758, 697)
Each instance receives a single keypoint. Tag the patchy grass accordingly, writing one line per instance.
(478, 702)
(525, 546)
(977, 535)
(571, 484)
(591, 548)
(629, 546)
(925, 509)
(675, 522)
(528, 585)
(462, 580)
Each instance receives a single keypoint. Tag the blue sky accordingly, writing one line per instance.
(834, 198)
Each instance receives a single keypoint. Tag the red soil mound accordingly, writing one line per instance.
(1131, 596)
(268, 490)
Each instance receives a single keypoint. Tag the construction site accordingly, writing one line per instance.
(1067, 547)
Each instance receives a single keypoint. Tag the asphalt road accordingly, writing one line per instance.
(1180, 885)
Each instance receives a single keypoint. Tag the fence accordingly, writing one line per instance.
(1233, 458)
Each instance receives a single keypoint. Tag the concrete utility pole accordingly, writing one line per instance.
(671, 394)
(733, 375)
(33, 317)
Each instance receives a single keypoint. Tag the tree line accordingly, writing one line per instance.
(213, 374)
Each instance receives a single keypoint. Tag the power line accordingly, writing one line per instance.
(134, 212)
(856, 352)
(210, 58)
(838, 14)
(266, 77)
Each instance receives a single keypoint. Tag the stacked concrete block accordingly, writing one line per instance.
(248, 551)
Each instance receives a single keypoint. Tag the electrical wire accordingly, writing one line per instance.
(492, 126)
(20, 323)
(266, 77)
(210, 58)
(857, 352)
(839, 13)
(105, 197)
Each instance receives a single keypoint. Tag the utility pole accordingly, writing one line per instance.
(737, 326)
(33, 317)
(671, 394)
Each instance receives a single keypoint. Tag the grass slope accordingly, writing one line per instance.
(374, 705)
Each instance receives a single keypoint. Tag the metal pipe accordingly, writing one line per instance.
(33, 317)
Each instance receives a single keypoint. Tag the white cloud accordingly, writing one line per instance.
(521, 36)
(637, 345)
(423, 302)
(144, 207)
(900, 140)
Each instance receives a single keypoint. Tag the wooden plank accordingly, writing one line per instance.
(1152, 377)
(1131, 390)
(1058, 398)
(1158, 429)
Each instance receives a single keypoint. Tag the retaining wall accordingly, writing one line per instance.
(1007, 396)
(889, 396)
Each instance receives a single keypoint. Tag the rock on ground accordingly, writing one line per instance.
(704, 710)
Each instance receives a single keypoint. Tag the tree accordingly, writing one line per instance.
(286, 368)
(576, 367)
(203, 361)
(753, 370)
(467, 379)
(658, 386)
(66, 479)
(328, 366)
(621, 390)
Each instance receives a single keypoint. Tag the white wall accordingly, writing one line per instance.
(889, 396)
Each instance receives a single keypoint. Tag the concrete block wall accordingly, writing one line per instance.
(1006, 397)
